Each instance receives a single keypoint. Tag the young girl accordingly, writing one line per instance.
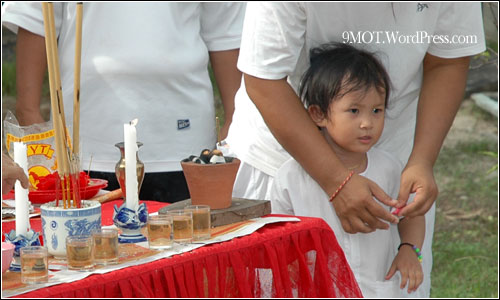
(346, 91)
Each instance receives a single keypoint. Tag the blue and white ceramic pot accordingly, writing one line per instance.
(59, 223)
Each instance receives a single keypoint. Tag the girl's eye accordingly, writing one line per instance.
(377, 110)
(354, 110)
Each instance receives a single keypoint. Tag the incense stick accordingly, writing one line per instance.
(55, 95)
(76, 90)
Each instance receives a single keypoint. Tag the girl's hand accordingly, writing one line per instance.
(407, 263)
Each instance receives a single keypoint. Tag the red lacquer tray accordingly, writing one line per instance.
(44, 196)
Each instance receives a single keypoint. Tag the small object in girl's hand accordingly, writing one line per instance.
(395, 211)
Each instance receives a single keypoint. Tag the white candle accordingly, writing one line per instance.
(131, 183)
(21, 194)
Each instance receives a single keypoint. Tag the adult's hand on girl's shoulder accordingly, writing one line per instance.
(358, 211)
(417, 178)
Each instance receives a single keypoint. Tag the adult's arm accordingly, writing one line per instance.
(442, 92)
(31, 67)
(228, 79)
(289, 122)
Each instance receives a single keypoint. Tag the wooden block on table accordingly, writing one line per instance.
(240, 210)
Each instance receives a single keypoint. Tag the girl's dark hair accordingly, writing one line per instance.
(337, 69)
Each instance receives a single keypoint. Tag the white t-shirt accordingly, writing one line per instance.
(370, 255)
(140, 60)
(278, 36)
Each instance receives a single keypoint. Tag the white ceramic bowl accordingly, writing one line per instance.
(58, 223)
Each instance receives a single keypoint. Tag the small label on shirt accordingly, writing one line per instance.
(183, 124)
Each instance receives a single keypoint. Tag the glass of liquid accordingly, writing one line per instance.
(183, 225)
(105, 242)
(160, 232)
(80, 252)
(34, 265)
(201, 221)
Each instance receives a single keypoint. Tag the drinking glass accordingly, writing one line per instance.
(160, 232)
(183, 225)
(105, 242)
(201, 221)
(34, 265)
(80, 252)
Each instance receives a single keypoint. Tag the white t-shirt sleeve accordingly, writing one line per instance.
(462, 25)
(28, 15)
(273, 37)
(221, 25)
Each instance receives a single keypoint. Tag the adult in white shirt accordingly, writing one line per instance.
(139, 60)
(426, 48)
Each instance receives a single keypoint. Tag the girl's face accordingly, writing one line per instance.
(354, 121)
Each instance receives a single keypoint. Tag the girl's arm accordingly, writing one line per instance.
(411, 231)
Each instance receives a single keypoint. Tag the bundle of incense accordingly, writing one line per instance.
(63, 153)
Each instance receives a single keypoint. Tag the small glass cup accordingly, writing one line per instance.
(105, 242)
(80, 252)
(160, 232)
(183, 225)
(201, 221)
(34, 265)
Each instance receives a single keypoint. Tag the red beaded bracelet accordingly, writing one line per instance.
(341, 186)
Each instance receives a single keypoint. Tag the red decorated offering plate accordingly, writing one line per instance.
(46, 188)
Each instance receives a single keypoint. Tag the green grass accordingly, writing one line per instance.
(9, 78)
(465, 246)
(219, 109)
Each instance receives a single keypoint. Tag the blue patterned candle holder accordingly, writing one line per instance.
(130, 222)
(31, 238)
(59, 223)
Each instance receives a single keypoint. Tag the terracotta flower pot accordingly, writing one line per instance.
(211, 184)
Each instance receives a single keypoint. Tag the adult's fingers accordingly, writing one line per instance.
(420, 205)
(377, 211)
(360, 225)
(23, 179)
(380, 195)
(357, 209)
(369, 216)
(404, 193)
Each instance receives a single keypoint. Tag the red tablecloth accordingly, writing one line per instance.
(304, 258)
